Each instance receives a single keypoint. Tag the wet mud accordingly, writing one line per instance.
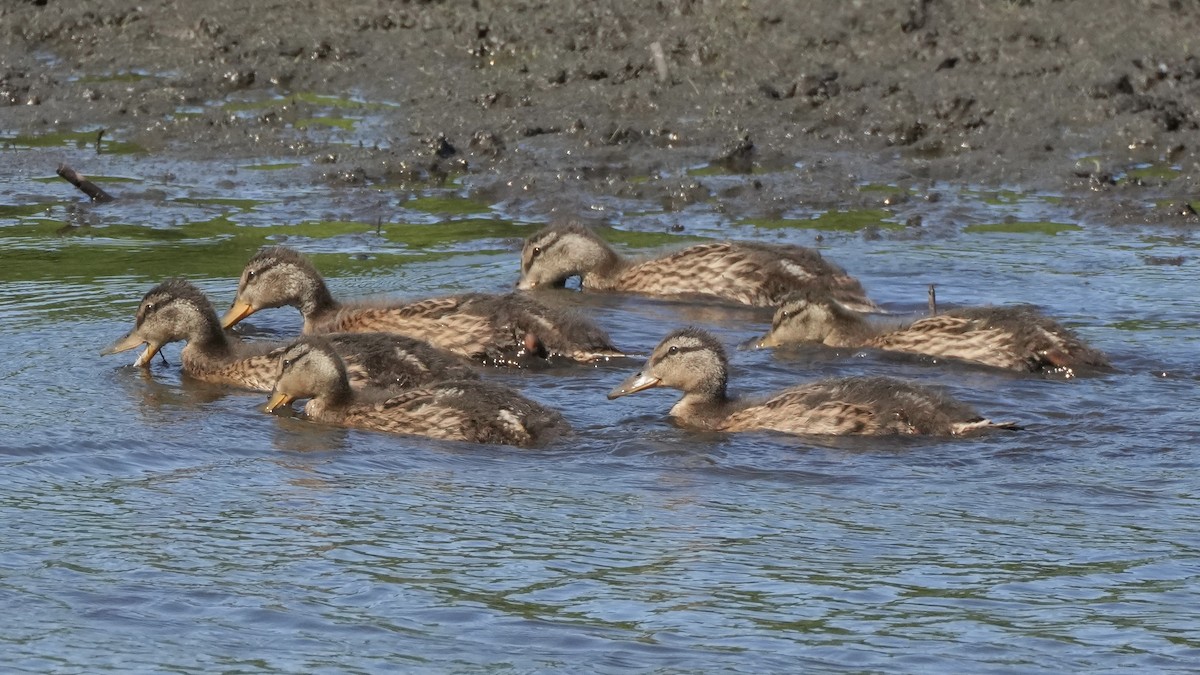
(563, 103)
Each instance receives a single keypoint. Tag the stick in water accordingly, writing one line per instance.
(88, 187)
(932, 301)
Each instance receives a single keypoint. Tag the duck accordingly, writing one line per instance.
(176, 310)
(733, 271)
(1018, 338)
(459, 410)
(693, 361)
(506, 329)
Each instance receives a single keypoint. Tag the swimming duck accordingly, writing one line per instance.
(1014, 338)
(694, 361)
(742, 272)
(461, 410)
(502, 329)
(176, 310)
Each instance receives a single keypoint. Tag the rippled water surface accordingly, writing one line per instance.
(152, 523)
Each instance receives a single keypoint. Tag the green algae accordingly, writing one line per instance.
(1020, 227)
(39, 248)
(452, 205)
(1160, 172)
(242, 204)
(80, 140)
(343, 123)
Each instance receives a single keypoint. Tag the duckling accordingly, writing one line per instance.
(741, 272)
(1015, 338)
(694, 361)
(460, 410)
(502, 329)
(176, 310)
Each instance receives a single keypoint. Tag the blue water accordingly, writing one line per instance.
(152, 523)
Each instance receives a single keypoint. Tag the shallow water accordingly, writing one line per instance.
(154, 523)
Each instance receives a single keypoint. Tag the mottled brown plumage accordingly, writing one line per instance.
(501, 329)
(474, 411)
(742, 272)
(694, 362)
(176, 310)
(1014, 338)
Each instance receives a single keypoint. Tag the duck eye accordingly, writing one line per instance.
(785, 315)
(537, 250)
(150, 307)
(673, 350)
(287, 363)
(250, 274)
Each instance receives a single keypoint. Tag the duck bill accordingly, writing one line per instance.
(525, 285)
(236, 313)
(635, 383)
(143, 359)
(278, 400)
(132, 341)
(768, 340)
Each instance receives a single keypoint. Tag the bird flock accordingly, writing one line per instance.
(416, 367)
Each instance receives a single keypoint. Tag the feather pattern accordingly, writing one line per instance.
(1015, 338)
(462, 410)
(694, 362)
(501, 329)
(742, 272)
(176, 310)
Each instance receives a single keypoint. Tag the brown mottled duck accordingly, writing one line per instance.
(740, 272)
(1015, 338)
(176, 310)
(502, 329)
(694, 362)
(469, 410)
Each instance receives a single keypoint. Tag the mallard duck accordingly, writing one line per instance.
(460, 410)
(176, 310)
(503, 329)
(742, 272)
(1014, 338)
(694, 362)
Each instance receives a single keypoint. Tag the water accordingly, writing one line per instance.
(152, 523)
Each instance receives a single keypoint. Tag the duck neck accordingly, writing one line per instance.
(210, 339)
(207, 347)
(704, 410)
(600, 265)
(316, 304)
(339, 395)
(852, 330)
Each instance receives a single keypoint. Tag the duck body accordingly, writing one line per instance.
(460, 410)
(1014, 338)
(693, 361)
(741, 272)
(176, 310)
(506, 329)
(500, 329)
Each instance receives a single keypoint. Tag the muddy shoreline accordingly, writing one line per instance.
(563, 103)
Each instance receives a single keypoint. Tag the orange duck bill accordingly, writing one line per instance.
(236, 313)
(132, 341)
(278, 400)
(633, 384)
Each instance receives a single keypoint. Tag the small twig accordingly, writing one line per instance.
(932, 301)
(88, 187)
